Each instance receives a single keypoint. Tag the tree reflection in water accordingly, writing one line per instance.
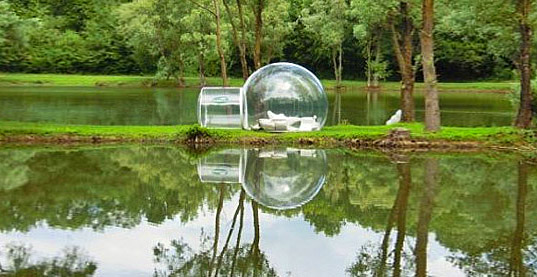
(280, 178)
(481, 208)
(19, 262)
(244, 259)
(516, 254)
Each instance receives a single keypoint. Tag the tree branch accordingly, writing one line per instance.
(202, 7)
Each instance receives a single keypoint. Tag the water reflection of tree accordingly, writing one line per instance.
(516, 253)
(102, 187)
(242, 259)
(19, 262)
(374, 262)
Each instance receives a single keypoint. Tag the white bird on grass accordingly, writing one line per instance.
(396, 118)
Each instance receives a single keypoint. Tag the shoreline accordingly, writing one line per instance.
(347, 136)
(138, 81)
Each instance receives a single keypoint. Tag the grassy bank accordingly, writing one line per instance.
(507, 137)
(20, 79)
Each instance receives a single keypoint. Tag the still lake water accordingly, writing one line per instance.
(126, 106)
(134, 210)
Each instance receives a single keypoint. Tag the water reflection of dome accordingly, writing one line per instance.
(285, 178)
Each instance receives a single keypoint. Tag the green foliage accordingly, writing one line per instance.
(474, 39)
(79, 36)
(475, 218)
(197, 132)
(20, 262)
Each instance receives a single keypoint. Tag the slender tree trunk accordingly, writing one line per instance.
(337, 56)
(230, 233)
(432, 107)
(223, 65)
(238, 41)
(516, 263)
(239, 233)
(376, 77)
(244, 64)
(404, 189)
(254, 250)
(340, 65)
(424, 217)
(258, 10)
(524, 116)
(369, 73)
(405, 181)
(403, 52)
(217, 227)
(181, 76)
(201, 60)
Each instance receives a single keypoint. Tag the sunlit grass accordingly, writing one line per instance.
(492, 135)
(18, 79)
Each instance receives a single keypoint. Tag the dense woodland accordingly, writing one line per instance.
(474, 39)
(404, 40)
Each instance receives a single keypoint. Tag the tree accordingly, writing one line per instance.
(370, 22)
(201, 41)
(397, 18)
(239, 40)
(13, 36)
(145, 21)
(258, 14)
(327, 22)
(432, 108)
(523, 119)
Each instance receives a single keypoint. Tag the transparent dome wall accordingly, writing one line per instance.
(220, 107)
(284, 97)
(284, 178)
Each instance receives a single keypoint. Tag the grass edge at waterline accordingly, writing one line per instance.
(350, 135)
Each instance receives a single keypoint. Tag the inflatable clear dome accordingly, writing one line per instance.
(286, 178)
(281, 178)
(280, 97)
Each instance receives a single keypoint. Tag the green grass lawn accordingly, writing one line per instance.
(22, 79)
(508, 136)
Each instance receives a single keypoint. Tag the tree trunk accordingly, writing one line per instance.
(217, 226)
(376, 77)
(403, 194)
(424, 217)
(244, 64)
(368, 72)
(239, 43)
(403, 52)
(181, 77)
(239, 233)
(203, 80)
(340, 68)
(258, 10)
(223, 66)
(230, 233)
(516, 263)
(523, 119)
(337, 54)
(432, 108)
(254, 250)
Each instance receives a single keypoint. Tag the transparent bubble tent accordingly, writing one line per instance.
(280, 97)
(281, 178)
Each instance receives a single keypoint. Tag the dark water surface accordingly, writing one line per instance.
(127, 106)
(144, 210)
